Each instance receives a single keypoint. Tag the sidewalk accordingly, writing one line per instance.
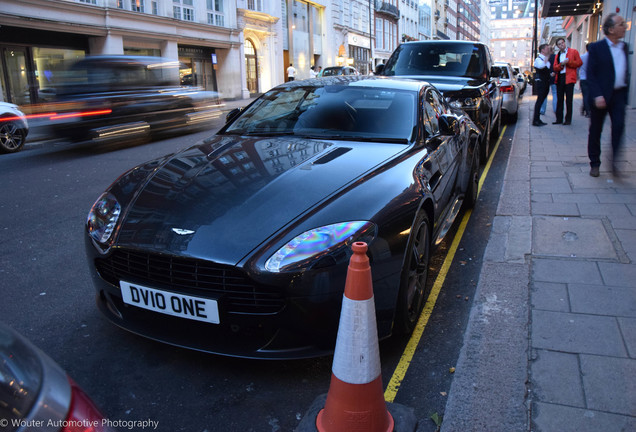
(551, 342)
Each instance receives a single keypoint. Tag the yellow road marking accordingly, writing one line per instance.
(405, 361)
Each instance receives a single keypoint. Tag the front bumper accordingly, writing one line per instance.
(300, 326)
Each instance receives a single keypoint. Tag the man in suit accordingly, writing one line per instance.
(541, 82)
(607, 78)
(565, 65)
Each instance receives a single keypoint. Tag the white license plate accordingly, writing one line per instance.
(169, 303)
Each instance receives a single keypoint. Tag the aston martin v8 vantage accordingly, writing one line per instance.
(239, 245)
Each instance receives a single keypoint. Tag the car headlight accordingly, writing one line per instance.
(102, 219)
(317, 243)
(465, 103)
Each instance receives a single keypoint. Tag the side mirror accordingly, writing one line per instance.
(379, 69)
(448, 124)
(233, 114)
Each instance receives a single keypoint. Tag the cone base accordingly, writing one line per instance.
(355, 407)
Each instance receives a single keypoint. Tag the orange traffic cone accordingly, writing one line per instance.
(355, 401)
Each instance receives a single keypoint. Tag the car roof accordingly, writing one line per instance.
(443, 42)
(361, 81)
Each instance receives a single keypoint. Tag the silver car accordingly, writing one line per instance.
(509, 90)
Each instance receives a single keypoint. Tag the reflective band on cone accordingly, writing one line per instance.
(355, 401)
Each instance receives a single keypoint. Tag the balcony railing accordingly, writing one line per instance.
(387, 8)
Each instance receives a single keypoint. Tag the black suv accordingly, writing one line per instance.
(462, 71)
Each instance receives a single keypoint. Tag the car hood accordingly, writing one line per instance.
(221, 199)
(449, 84)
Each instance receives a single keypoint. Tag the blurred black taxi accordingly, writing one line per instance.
(122, 98)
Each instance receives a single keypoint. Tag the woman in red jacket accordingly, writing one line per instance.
(566, 62)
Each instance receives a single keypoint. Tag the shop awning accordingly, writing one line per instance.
(553, 8)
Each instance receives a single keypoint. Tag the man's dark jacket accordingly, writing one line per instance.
(600, 70)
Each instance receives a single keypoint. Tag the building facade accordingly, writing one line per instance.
(239, 48)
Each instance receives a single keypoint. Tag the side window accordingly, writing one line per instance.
(432, 111)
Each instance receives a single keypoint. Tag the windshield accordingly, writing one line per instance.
(440, 58)
(331, 111)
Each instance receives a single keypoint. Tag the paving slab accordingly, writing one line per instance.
(566, 271)
(551, 185)
(609, 384)
(615, 274)
(550, 296)
(571, 237)
(628, 329)
(556, 378)
(589, 209)
(559, 418)
(555, 209)
(577, 333)
(603, 300)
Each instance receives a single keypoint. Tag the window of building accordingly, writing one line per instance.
(89, 1)
(155, 8)
(137, 5)
(255, 5)
(185, 11)
(216, 15)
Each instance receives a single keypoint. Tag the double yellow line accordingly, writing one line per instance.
(409, 351)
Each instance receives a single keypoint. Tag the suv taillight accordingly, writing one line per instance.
(507, 89)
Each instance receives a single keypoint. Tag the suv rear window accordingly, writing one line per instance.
(449, 59)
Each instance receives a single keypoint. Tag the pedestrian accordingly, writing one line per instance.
(541, 81)
(553, 88)
(585, 107)
(565, 65)
(291, 72)
(319, 70)
(312, 72)
(607, 78)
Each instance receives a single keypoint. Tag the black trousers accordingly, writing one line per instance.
(564, 91)
(543, 89)
(616, 110)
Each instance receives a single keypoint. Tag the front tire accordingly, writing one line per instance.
(413, 292)
(12, 137)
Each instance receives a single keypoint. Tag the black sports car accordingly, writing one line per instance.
(239, 245)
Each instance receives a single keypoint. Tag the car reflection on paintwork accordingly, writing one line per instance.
(239, 245)
(338, 70)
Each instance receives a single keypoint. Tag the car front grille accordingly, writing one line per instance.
(237, 292)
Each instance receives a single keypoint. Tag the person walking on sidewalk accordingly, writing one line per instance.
(541, 81)
(565, 65)
(607, 77)
(585, 107)
(291, 72)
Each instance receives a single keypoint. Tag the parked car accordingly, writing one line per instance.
(509, 90)
(105, 99)
(240, 244)
(522, 82)
(37, 395)
(14, 128)
(338, 70)
(462, 71)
